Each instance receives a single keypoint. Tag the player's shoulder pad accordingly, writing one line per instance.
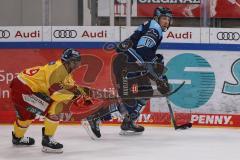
(140, 28)
(154, 25)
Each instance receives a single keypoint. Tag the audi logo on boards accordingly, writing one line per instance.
(65, 34)
(231, 36)
(4, 34)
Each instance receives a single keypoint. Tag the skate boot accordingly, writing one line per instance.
(24, 141)
(129, 127)
(50, 145)
(91, 125)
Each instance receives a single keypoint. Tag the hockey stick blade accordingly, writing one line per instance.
(184, 126)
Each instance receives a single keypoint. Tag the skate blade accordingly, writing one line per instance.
(50, 150)
(88, 129)
(129, 133)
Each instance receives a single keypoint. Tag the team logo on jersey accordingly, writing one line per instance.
(31, 71)
(153, 32)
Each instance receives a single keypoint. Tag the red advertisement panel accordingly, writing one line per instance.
(217, 8)
(94, 72)
(179, 10)
(225, 8)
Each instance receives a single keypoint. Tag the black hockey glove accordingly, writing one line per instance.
(163, 86)
(124, 46)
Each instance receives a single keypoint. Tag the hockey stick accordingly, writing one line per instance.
(114, 109)
(183, 126)
(150, 70)
(111, 109)
(175, 90)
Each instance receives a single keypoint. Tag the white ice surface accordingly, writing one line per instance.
(155, 144)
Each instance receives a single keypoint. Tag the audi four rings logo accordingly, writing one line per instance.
(65, 33)
(232, 36)
(4, 34)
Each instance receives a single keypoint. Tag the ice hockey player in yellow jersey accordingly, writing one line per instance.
(43, 90)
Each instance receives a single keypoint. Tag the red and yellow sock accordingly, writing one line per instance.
(20, 127)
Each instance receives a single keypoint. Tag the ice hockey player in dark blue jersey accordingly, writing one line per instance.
(140, 47)
(147, 38)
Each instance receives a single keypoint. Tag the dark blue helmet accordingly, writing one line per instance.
(161, 11)
(70, 54)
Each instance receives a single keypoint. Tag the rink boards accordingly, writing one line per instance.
(210, 96)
